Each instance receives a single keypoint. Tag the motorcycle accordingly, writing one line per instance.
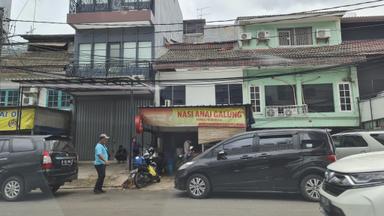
(146, 170)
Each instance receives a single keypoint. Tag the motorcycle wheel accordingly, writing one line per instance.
(139, 180)
(158, 179)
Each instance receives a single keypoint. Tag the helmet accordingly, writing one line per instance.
(151, 150)
(146, 155)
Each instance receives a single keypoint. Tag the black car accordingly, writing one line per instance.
(292, 161)
(31, 162)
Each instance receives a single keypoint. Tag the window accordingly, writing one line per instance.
(22, 145)
(85, 54)
(345, 97)
(255, 99)
(145, 53)
(114, 55)
(295, 36)
(58, 99)
(4, 146)
(194, 27)
(319, 97)
(53, 98)
(229, 94)
(312, 140)
(378, 137)
(240, 146)
(336, 140)
(176, 94)
(99, 55)
(9, 98)
(351, 141)
(130, 52)
(275, 143)
(280, 95)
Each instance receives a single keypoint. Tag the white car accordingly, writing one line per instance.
(351, 143)
(354, 186)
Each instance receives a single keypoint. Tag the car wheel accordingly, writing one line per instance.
(12, 189)
(310, 187)
(198, 186)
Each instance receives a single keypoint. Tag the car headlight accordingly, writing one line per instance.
(186, 165)
(368, 178)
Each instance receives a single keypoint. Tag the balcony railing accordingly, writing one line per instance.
(136, 69)
(80, 6)
(285, 111)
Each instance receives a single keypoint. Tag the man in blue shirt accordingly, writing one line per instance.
(101, 161)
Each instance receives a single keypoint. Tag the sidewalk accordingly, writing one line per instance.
(115, 176)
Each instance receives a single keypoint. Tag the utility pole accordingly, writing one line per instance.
(1, 30)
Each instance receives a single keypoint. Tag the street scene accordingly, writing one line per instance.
(193, 107)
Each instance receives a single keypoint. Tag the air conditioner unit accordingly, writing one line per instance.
(29, 101)
(288, 112)
(263, 35)
(272, 112)
(323, 33)
(30, 90)
(168, 103)
(245, 36)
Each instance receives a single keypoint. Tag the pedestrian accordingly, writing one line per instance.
(101, 161)
(121, 154)
(135, 147)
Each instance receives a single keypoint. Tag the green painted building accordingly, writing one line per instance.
(313, 88)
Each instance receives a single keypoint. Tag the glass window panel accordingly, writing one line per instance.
(85, 54)
(114, 55)
(280, 95)
(319, 97)
(303, 36)
(241, 146)
(236, 94)
(130, 54)
(165, 94)
(178, 95)
(222, 94)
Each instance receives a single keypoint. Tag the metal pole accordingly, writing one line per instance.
(19, 110)
(132, 131)
(370, 108)
(1, 30)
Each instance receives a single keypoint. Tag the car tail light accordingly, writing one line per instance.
(331, 158)
(47, 161)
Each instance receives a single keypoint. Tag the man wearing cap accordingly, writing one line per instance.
(101, 161)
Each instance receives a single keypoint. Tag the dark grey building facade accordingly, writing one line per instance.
(117, 39)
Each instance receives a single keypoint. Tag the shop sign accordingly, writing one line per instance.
(195, 117)
(8, 119)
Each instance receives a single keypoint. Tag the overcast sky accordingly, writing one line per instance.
(56, 10)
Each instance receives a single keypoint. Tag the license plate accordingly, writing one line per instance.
(67, 162)
(325, 204)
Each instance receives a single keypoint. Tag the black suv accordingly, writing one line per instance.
(31, 162)
(292, 161)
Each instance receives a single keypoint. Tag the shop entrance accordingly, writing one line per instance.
(172, 147)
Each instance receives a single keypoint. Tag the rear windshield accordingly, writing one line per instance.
(316, 140)
(378, 137)
(59, 146)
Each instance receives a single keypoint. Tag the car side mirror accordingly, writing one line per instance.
(222, 155)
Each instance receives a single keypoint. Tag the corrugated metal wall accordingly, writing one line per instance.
(113, 115)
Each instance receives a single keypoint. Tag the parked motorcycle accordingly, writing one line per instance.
(146, 169)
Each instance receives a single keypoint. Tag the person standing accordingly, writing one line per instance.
(101, 161)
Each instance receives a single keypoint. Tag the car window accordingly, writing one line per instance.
(275, 143)
(59, 146)
(337, 141)
(22, 145)
(378, 137)
(239, 146)
(4, 146)
(353, 141)
(313, 140)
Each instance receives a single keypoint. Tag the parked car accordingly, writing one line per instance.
(31, 162)
(351, 143)
(354, 186)
(292, 161)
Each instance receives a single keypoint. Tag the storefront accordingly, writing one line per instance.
(34, 120)
(202, 126)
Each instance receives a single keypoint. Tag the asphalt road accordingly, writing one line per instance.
(159, 203)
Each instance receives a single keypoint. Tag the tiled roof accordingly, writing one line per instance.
(221, 54)
(24, 65)
(362, 19)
